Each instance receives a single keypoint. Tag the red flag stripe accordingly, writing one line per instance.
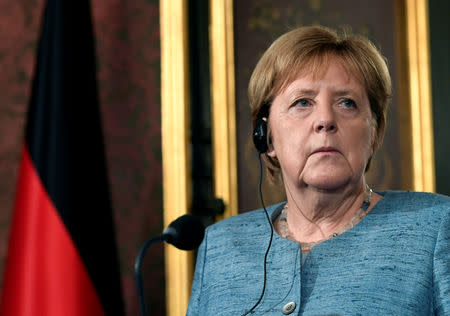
(43, 263)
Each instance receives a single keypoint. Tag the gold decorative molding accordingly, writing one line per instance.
(175, 145)
(418, 65)
(223, 107)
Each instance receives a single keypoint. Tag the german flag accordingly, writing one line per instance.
(62, 256)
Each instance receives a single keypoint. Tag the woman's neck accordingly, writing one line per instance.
(314, 215)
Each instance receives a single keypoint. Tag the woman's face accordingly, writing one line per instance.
(322, 130)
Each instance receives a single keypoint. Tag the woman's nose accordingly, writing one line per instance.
(325, 121)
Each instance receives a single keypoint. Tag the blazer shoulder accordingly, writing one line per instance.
(417, 197)
(252, 221)
(422, 202)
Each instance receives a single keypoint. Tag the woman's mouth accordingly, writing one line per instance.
(325, 150)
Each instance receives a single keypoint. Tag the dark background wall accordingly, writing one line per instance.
(258, 23)
(440, 82)
(128, 57)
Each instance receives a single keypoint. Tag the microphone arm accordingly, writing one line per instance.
(138, 273)
(185, 233)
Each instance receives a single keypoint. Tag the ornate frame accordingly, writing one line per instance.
(223, 105)
(175, 145)
(419, 95)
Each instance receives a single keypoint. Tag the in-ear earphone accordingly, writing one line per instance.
(260, 136)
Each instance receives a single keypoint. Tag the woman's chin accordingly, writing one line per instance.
(327, 181)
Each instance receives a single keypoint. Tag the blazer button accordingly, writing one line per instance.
(289, 308)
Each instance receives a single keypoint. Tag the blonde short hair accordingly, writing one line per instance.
(309, 49)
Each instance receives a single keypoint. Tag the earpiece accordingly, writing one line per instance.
(260, 141)
(260, 136)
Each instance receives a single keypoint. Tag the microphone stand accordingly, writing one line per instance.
(137, 270)
(185, 233)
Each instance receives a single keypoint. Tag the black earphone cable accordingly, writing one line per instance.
(270, 241)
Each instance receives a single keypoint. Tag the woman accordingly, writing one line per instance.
(339, 247)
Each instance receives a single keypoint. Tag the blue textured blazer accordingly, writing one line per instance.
(396, 261)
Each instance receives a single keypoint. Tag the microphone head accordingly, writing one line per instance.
(186, 232)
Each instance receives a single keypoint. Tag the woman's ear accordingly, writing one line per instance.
(373, 137)
(271, 152)
(375, 141)
(270, 149)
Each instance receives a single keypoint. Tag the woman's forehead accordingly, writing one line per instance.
(316, 68)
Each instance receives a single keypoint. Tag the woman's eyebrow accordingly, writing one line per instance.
(301, 92)
(346, 92)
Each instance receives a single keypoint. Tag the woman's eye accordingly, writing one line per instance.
(348, 103)
(302, 103)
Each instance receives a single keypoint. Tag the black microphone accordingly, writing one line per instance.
(185, 233)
